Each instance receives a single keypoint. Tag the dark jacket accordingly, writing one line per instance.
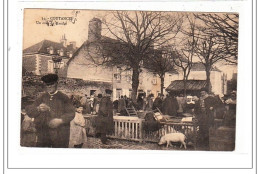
(157, 103)
(170, 106)
(204, 114)
(61, 107)
(104, 120)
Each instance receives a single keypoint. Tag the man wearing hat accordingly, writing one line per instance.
(104, 122)
(53, 112)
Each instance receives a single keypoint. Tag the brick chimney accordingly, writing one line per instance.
(94, 30)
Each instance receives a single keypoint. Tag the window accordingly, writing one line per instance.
(92, 92)
(154, 81)
(128, 76)
(118, 74)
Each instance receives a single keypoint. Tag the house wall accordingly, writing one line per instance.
(122, 85)
(44, 64)
(149, 83)
(29, 62)
(81, 67)
(217, 82)
(39, 64)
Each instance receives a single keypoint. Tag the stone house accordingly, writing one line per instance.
(37, 59)
(86, 64)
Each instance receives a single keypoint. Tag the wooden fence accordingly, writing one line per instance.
(128, 128)
(131, 128)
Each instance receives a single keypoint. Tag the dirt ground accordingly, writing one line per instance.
(95, 143)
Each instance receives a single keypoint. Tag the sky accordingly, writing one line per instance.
(36, 30)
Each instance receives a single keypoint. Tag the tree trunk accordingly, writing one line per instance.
(208, 84)
(184, 87)
(162, 84)
(135, 83)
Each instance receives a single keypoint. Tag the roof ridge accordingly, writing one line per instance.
(41, 45)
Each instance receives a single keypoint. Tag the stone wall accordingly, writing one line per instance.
(32, 86)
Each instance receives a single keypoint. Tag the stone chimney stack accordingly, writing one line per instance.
(94, 30)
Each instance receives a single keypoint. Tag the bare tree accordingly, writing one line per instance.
(183, 55)
(160, 64)
(136, 35)
(209, 51)
(225, 27)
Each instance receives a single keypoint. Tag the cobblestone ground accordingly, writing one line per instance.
(95, 143)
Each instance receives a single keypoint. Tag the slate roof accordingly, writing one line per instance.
(41, 48)
(192, 85)
(111, 47)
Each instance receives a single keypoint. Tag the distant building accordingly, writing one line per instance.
(197, 76)
(37, 59)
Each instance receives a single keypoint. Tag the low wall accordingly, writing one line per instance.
(32, 86)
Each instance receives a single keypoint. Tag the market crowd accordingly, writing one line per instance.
(56, 120)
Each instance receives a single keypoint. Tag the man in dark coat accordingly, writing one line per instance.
(158, 102)
(170, 105)
(121, 104)
(52, 113)
(104, 120)
(204, 111)
(149, 103)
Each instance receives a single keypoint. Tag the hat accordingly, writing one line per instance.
(108, 91)
(50, 79)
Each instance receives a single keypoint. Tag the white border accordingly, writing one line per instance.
(28, 157)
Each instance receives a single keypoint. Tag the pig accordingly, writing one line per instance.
(173, 137)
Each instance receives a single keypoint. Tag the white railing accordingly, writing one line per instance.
(131, 128)
(128, 128)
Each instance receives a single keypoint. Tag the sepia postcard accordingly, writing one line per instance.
(141, 80)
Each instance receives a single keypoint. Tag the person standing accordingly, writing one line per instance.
(149, 103)
(158, 102)
(170, 105)
(204, 111)
(121, 104)
(83, 100)
(140, 102)
(181, 102)
(97, 103)
(78, 134)
(104, 120)
(52, 113)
